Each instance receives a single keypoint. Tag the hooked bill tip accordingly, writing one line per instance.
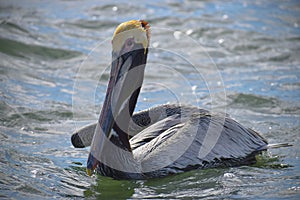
(89, 172)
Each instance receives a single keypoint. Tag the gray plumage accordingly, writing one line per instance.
(167, 139)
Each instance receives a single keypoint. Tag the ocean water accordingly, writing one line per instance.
(242, 58)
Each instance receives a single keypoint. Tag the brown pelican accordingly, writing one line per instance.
(163, 140)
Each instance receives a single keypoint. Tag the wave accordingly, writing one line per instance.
(262, 104)
(29, 51)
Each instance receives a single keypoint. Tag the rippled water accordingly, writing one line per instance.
(239, 57)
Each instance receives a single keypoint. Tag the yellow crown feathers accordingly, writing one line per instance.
(138, 30)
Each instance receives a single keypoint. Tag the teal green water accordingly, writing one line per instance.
(237, 57)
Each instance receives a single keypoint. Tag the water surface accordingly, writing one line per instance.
(237, 57)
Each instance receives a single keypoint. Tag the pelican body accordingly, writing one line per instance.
(162, 140)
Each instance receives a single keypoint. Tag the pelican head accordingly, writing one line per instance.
(129, 55)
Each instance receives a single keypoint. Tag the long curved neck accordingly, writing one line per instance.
(121, 162)
(110, 145)
(121, 127)
(132, 81)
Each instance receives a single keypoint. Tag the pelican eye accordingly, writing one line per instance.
(129, 43)
(128, 46)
